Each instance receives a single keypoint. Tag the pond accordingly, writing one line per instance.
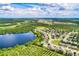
(9, 40)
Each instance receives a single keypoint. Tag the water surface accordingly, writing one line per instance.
(9, 40)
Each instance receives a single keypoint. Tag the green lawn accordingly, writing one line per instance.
(56, 41)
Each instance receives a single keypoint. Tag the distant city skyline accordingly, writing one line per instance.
(39, 10)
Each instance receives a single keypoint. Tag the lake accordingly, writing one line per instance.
(9, 40)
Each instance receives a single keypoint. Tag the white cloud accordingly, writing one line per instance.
(8, 7)
(39, 11)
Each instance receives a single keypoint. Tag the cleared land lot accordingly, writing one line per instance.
(31, 50)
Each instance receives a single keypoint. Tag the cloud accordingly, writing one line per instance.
(6, 8)
(49, 10)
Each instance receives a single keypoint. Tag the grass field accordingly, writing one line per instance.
(56, 42)
(31, 50)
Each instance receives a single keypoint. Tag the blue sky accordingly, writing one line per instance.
(39, 10)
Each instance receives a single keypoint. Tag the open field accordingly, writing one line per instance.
(31, 50)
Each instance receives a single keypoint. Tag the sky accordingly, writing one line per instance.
(39, 10)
